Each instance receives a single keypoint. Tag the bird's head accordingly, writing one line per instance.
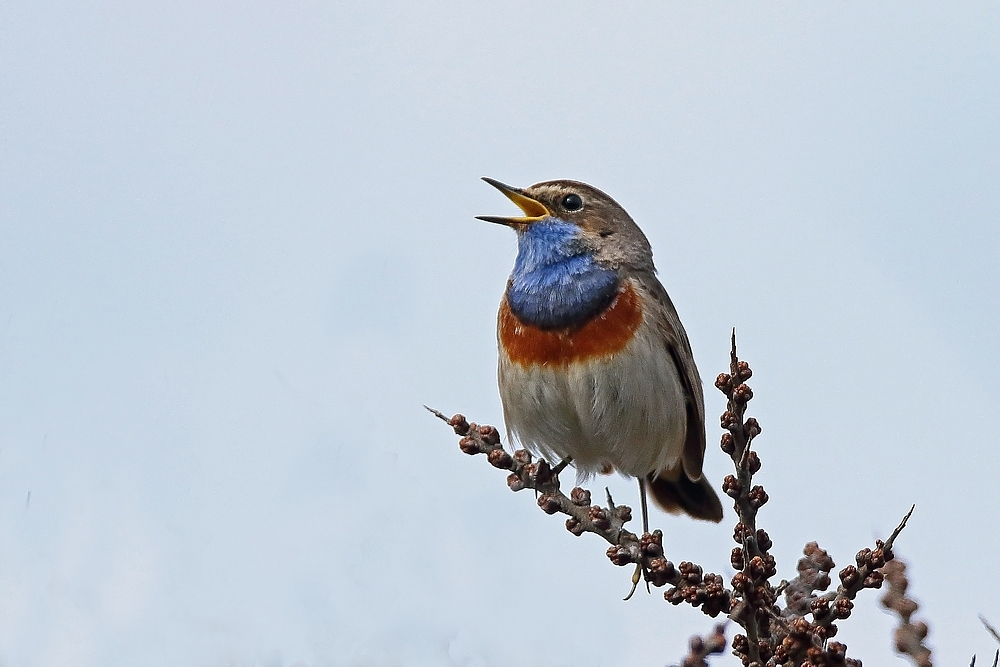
(595, 220)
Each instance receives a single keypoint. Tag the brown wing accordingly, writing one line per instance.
(676, 341)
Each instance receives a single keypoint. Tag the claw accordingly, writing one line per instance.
(636, 576)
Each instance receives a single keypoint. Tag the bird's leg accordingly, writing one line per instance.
(639, 569)
(642, 501)
(561, 466)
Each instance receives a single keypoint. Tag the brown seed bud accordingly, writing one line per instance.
(732, 487)
(599, 516)
(798, 627)
(458, 423)
(574, 526)
(549, 504)
(864, 557)
(820, 606)
(728, 444)
(850, 577)
(753, 463)
(624, 513)
(522, 456)
(842, 608)
(757, 497)
(741, 532)
(736, 558)
(691, 571)
(514, 482)
(489, 435)
(818, 556)
(743, 371)
(763, 540)
(724, 383)
(619, 555)
(740, 581)
(878, 558)
(752, 427)
(580, 496)
(728, 420)
(837, 650)
(649, 546)
(874, 579)
(498, 458)
(468, 445)
(742, 393)
(661, 571)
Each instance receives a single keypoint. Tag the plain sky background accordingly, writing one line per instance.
(238, 253)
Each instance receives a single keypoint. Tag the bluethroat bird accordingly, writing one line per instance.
(595, 366)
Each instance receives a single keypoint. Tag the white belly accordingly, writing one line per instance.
(626, 409)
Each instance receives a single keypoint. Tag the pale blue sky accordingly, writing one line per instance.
(239, 254)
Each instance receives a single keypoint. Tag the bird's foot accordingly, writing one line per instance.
(636, 577)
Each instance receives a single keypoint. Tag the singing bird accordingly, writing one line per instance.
(595, 366)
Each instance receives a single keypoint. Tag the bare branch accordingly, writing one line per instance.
(773, 636)
(607, 522)
(909, 636)
(989, 628)
(702, 647)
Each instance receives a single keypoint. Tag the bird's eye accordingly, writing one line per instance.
(572, 202)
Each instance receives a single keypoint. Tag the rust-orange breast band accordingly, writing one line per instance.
(604, 335)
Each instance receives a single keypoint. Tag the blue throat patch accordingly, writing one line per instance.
(556, 282)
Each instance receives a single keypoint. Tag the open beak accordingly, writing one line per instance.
(533, 210)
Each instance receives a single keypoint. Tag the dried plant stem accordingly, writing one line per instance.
(752, 590)
(989, 628)
(608, 522)
(909, 636)
(701, 647)
(774, 636)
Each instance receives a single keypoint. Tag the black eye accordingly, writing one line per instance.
(572, 202)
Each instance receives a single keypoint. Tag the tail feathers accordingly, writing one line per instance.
(696, 499)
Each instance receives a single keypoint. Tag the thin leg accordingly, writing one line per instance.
(562, 465)
(637, 575)
(642, 500)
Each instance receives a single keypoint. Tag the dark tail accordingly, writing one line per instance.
(696, 499)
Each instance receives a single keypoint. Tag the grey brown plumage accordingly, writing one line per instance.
(594, 361)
